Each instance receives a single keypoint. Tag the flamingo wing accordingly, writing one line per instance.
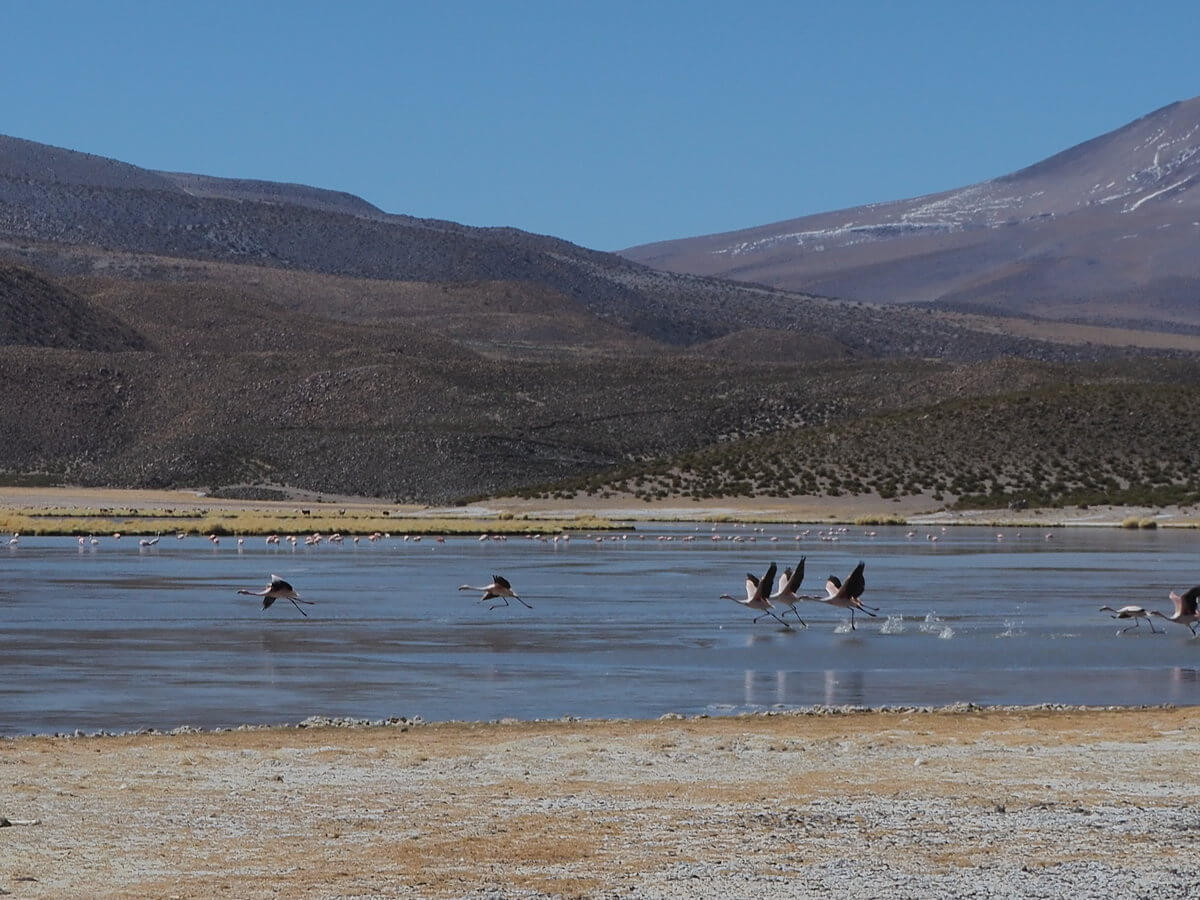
(797, 576)
(501, 581)
(856, 584)
(1189, 600)
(763, 589)
(751, 586)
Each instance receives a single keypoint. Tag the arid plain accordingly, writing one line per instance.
(902, 803)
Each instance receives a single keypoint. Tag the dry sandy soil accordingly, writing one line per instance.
(1027, 803)
(916, 509)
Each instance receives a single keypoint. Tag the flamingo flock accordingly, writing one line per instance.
(763, 595)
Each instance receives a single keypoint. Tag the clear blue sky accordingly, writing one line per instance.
(608, 123)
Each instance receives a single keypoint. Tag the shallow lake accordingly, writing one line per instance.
(114, 636)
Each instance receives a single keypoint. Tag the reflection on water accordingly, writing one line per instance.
(1183, 686)
(845, 689)
(116, 636)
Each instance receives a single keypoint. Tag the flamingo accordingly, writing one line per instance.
(1185, 609)
(846, 596)
(788, 585)
(756, 595)
(499, 589)
(1132, 612)
(278, 589)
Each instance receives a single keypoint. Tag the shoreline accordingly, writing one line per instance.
(80, 511)
(404, 723)
(1035, 802)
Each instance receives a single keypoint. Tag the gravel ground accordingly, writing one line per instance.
(964, 803)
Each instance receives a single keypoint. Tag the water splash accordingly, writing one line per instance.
(893, 625)
(931, 623)
(842, 628)
(946, 633)
(1011, 629)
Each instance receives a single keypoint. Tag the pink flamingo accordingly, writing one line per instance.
(499, 589)
(1185, 609)
(278, 589)
(756, 595)
(788, 585)
(1131, 612)
(847, 596)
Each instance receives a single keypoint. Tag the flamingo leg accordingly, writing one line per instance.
(775, 617)
(798, 619)
(1129, 627)
(522, 602)
(852, 627)
(497, 605)
(297, 605)
(1154, 630)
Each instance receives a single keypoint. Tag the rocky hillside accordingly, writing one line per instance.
(458, 392)
(73, 213)
(185, 331)
(1111, 440)
(36, 312)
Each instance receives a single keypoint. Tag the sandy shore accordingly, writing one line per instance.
(917, 510)
(1028, 803)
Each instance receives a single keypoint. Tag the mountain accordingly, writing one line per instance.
(1103, 232)
(71, 213)
(166, 330)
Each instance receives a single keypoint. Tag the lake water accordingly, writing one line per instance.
(117, 637)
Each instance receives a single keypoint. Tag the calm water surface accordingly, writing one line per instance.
(117, 637)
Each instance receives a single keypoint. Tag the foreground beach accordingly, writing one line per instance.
(1038, 802)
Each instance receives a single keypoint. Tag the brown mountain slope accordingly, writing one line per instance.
(420, 395)
(1105, 231)
(72, 213)
(37, 312)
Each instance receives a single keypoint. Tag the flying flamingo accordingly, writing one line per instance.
(1185, 609)
(788, 585)
(1133, 612)
(846, 596)
(499, 589)
(278, 589)
(756, 595)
